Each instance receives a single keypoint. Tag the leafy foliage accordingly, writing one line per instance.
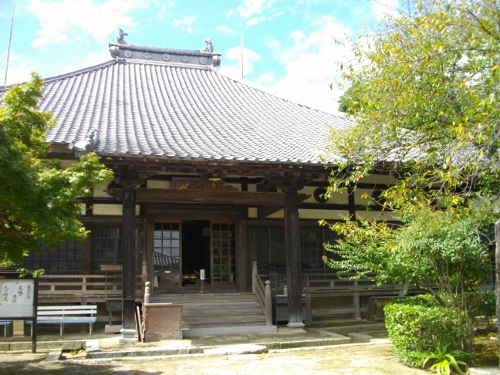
(423, 91)
(40, 198)
(439, 252)
(443, 360)
(418, 327)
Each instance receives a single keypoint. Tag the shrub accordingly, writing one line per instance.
(417, 327)
(484, 309)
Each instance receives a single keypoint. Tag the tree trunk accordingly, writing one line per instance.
(497, 284)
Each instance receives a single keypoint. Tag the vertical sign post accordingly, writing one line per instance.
(202, 278)
(18, 299)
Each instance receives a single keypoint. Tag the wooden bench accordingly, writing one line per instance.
(5, 324)
(75, 314)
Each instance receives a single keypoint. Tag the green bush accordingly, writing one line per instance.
(486, 306)
(417, 326)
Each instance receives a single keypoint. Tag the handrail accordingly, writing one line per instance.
(263, 293)
(83, 284)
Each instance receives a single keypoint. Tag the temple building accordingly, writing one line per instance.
(210, 173)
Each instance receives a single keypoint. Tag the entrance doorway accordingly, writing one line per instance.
(195, 250)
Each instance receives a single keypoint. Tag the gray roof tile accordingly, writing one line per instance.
(164, 111)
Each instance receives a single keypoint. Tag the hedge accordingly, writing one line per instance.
(417, 326)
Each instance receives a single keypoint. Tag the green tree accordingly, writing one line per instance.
(423, 91)
(40, 198)
(438, 252)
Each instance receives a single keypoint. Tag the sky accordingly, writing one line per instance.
(285, 46)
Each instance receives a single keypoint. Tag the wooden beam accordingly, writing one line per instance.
(190, 214)
(213, 197)
(265, 211)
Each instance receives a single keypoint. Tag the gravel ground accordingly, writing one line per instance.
(369, 359)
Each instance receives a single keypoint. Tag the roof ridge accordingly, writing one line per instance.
(169, 64)
(81, 71)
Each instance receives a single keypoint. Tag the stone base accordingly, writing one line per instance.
(162, 321)
(112, 329)
(158, 336)
(128, 336)
(296, 328)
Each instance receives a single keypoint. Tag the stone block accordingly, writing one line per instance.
(236, 349)
(162, 321)
(20, 346)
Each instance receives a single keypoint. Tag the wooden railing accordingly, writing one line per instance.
(361, 293)
(334, 295)
(318, 281)
(97, 286)
(263, 293)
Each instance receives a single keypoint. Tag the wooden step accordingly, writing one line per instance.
(216, 311)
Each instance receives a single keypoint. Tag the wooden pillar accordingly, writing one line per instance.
(128, 266)
(87, 252)
(150, 251)
(243, 264)
(293, 259)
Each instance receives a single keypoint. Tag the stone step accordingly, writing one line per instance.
(227, 330)
(226, 323)
(190, 312)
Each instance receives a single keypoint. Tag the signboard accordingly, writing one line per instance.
(16, 298)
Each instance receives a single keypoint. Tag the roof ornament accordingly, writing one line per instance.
(120, 38)
(87, 145)
(210, 47)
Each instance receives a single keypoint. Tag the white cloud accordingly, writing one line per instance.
(251, 7)
(255, 20)
(225, 30)
(381, 8)
(266, 78)
(164, 8)
(19, 69)
(79, 20)
(90, 59)
(236, 54)
(310, 66)
(185, 21)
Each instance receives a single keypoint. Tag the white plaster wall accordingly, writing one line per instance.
(314, 214)
(99, 190)
(323, 214)
(359, 193)
(378, 179)
(111, 209)
(377, 215)
(158, 184)
(336, 198)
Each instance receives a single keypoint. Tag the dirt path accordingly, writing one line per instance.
(346, 360)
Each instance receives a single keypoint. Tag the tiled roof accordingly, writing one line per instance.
(148, 109)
